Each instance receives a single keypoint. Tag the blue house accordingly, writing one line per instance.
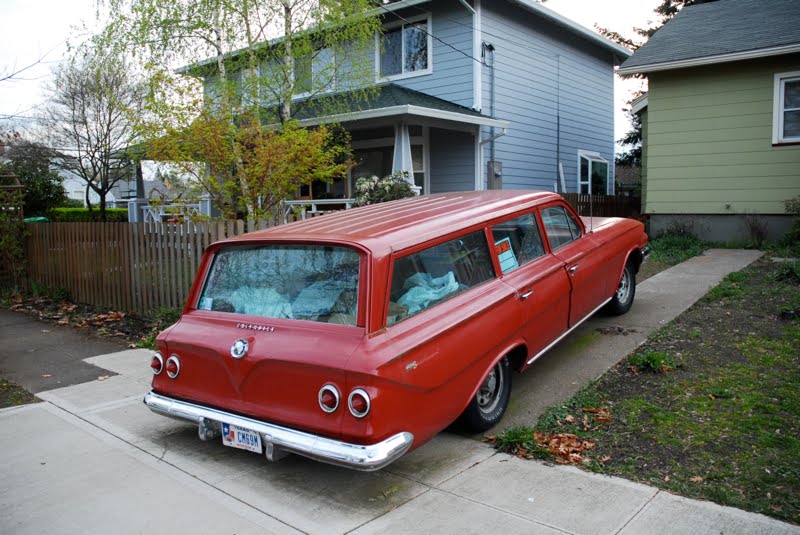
(477, 95)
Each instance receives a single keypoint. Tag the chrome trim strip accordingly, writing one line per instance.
(557, 340)
(356, 456)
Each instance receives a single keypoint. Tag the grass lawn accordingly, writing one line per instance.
(708, 408)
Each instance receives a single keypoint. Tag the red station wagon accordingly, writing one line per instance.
(355, 337)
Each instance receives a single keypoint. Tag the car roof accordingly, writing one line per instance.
(396, 225)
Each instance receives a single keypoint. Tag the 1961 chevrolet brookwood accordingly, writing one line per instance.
(355, 337)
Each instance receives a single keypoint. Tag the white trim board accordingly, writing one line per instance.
(407, 109)
(711, 60)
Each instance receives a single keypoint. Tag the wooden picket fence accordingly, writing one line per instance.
(132, 267)
(604, 205)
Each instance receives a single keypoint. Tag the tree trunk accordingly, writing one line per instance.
(288, 64)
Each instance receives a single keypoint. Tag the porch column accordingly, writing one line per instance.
(402, 160)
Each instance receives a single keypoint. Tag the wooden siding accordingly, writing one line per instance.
(709, 141)
(452, 160)
(544, 77)
(451, 78)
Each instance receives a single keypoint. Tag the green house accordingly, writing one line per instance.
(721, 119)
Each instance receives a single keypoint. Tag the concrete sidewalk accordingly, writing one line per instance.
(93, 459)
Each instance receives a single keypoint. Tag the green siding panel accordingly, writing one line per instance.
(709, 141)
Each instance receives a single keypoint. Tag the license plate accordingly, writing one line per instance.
(239, 437)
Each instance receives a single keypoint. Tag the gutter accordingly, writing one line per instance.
(407, 109)
(710, 60)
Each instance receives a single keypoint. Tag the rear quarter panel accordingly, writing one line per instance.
(424, 370)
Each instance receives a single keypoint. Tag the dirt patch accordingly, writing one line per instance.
(128, 329)
(12, 395)
(707, 408)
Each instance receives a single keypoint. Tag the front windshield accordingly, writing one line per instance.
(306, 282)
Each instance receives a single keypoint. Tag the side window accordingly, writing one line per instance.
(560, 226)
(424, 279)
(517, 242)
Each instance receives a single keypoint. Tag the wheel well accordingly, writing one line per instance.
(635, 259)
(517, 356)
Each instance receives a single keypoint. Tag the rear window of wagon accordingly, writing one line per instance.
(305, 282)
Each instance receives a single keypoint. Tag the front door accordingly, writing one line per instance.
(539, 278)
(582, 260)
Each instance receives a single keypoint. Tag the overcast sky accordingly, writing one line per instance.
(34, 29)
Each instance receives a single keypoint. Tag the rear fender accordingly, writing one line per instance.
(499, 355)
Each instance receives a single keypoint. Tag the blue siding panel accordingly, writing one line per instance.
(451, 76)
(544, 77)
(452, 155)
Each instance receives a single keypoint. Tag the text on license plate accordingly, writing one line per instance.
(239, 437)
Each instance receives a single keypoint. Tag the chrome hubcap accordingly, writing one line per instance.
(624, 290)
(489, 393)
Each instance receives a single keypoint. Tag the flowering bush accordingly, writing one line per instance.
(373, 190)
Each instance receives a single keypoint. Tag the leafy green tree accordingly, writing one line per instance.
(240, 76)
(30, 162)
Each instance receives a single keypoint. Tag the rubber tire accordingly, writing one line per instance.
(622, 301)
(474, 418)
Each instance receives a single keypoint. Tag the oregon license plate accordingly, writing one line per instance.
(239, 437)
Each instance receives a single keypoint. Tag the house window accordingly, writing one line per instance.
(593, 174)
(315, 72)
(405, 50)
(786, 114)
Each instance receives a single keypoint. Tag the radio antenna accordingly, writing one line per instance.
(591, 213)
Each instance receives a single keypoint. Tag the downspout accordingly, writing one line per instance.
(558, 120)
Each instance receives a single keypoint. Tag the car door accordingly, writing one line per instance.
(539, 278)
(582, 259)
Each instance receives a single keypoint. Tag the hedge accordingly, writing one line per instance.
(77, 215)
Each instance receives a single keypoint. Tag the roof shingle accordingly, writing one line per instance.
(718, 29)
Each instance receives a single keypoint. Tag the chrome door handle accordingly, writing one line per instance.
(526, 295)
(573, 269)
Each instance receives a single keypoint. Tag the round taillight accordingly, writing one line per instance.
(173, 366)
(157, 364)
(328, 398)
(358, 401)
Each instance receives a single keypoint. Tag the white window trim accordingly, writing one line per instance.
(594, 157)
(413, 74)
(777, 107)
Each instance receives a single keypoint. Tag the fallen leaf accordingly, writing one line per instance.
(666, 479)
(696, 479)
(601, 415)
(63, 322)
(131, 346)
(45, 331)
(776, 508)
(712, 396)
(46, 375)
(102, 377)
(570, 419)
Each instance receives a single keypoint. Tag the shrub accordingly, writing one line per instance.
(373, 190)
(78, 215)
(654, 361)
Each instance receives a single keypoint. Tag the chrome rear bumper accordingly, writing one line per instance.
(355, 456)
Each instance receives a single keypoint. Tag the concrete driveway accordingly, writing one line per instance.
(93, 459)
